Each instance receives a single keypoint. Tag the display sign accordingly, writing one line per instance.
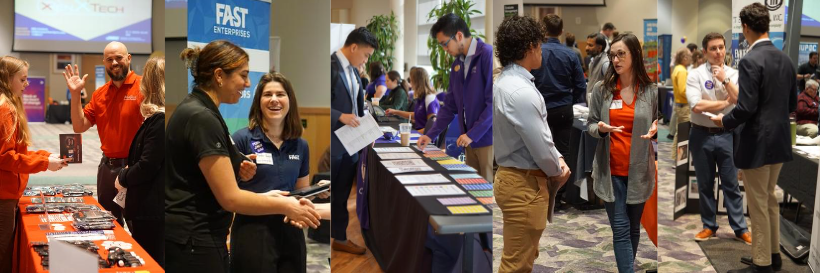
(34, 99)
(245, 23)
(777, 26)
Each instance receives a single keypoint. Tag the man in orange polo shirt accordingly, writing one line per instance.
(115, 109)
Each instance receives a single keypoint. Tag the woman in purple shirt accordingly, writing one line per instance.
(425, 102)
(378, 86)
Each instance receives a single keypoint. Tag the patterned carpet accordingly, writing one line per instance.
(576, 241)
(677, 251)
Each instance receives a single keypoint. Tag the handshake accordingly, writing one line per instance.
(300, 213)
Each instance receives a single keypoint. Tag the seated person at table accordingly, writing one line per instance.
(426, 103)
(398, 97)
(377, 87)
(807, 110)
(16, 161)
(267, 243)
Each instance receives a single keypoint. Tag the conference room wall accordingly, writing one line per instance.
(592, 18)
(693, 19)
(40, 63)
(304, 42)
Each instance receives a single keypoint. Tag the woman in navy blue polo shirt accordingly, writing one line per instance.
(267, 243)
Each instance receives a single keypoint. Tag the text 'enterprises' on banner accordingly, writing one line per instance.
(245, 23)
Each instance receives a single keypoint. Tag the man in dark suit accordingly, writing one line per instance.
(765, 99)
(346, 106)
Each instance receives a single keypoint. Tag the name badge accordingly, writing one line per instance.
(616, 104)
(264, 159)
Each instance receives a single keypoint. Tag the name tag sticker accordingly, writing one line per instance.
(264, 159)
(617, 104)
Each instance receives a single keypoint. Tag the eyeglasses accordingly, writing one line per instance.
(620, 54)
(444, 44)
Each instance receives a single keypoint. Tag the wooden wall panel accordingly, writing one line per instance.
(317, 133)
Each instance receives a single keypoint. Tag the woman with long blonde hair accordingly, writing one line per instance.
(426, 104)
(16, 161)
(144, 176)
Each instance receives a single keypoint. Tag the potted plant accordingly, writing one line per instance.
(386, 30)
(439, 59)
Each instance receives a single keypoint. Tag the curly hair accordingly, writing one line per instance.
(756, 17)
(515, 36)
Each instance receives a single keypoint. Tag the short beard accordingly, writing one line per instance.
(121, 76)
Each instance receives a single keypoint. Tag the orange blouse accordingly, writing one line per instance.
(16, 161)
(620, 143)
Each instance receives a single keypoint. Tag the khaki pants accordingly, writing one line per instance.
(480, 159)
(524, 211)
(682, 113)
(763, 211)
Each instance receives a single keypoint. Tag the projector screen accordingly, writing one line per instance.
(72, 26)
(811, 14)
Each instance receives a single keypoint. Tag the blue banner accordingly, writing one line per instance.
(650, 48)
(803, 52)
(245, 23)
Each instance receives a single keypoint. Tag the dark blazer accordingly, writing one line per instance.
(340, 102)
(145, 176)
(767, 95)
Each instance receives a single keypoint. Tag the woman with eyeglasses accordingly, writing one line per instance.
(624, 105)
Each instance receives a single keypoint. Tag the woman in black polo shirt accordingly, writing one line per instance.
(201, 189)
(273, 135)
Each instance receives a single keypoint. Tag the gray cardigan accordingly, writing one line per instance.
(641, 180)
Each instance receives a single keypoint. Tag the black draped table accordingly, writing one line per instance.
(399, 222)
(581, 153)
(798, 178)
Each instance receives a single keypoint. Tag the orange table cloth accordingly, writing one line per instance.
(28, 230)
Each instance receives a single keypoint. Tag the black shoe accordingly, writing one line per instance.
(753, 269)
(777, 263)
(670, 137)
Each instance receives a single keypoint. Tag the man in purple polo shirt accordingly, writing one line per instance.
(470, 94)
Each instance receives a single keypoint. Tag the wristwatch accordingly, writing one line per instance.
(726, 81)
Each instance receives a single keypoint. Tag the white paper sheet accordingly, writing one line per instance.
(434, 190)
(422, 178)
(120, 198)
(66, 258)
(812, 151)
(393, 150)
(428, 148)
(387, 156)
(404, 163)
(354, 139)
(410, 169)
